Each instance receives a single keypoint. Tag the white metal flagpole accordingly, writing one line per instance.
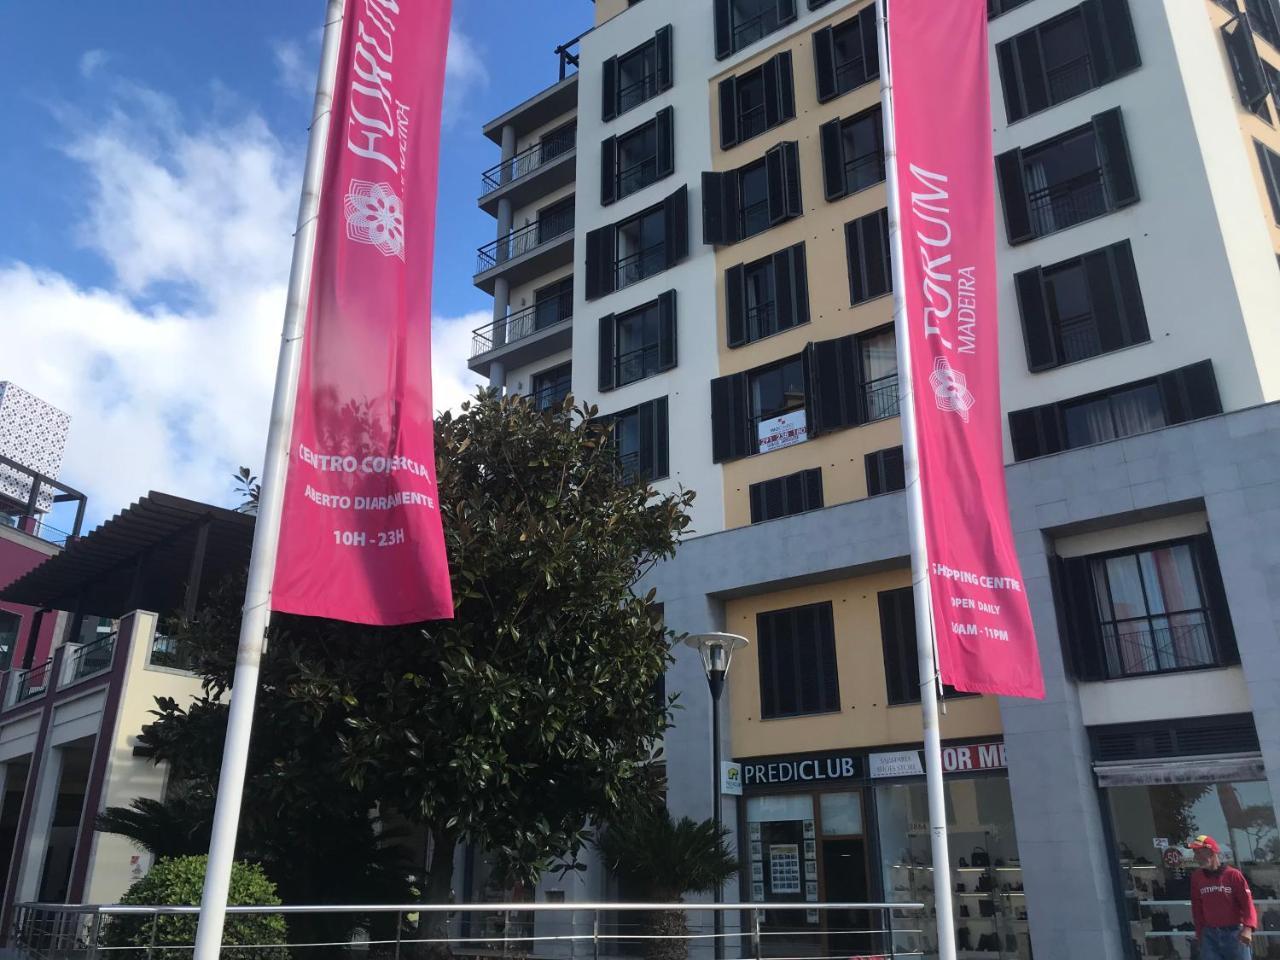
(262, 562)
(925, 648)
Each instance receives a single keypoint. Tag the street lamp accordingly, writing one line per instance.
(716, 650)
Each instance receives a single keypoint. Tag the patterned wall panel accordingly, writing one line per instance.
(34, 434)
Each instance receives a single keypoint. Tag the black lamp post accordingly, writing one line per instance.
(716, 650)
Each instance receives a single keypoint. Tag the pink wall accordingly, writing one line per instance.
(15, 560)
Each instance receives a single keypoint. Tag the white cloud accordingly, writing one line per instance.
(464, 72)
(91, 61)
(295, 70)
(167, 373)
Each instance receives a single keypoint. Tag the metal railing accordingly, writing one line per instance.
(761, 320)
(170, 653)
(755, 218)
(556, 931)
(751, 29)
(633, 365)
(530, 237)
(1072, 201)
(864, 171)
(882, 397)
(1147, 645)
(1070, 79)
(752, 122)
(32, 683)
(851, 74)
(638, 175)
(533, 158)
(551, 396)
(635, 267)
(1079, 337)
(637, 91)
(90, 658)
(521, 324)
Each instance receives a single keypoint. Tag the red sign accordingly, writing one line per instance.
(975, 756)
(360, 538)
(942, 118)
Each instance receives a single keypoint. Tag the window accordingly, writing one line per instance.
(1188, 393)
(10, 629)
(1270, 163)
(639, 343)
(786, 496)
(632, 161)
(997, 7)
(1152, 609)
(1247, 67)
(898, 639)
(757, 101)
(624, 253)
(1081, 308)
(638, 75)
(767, 296)
(1061, 58)
(746, 201)
(557, 142)
(550, 387)
(852, 153)
(1264, 18)
(886, 471)
(555, 220)
(640, 437)
(1083, 174)
(775, 390)
(553, 304)
(846, 55)
(878, 353)
(867, 247)
(740, 23)
(798, 662)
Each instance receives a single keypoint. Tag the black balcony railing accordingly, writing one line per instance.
(556, 145)
(864, 171)
(523, 323)
(1070, 79)
(527, 238)
(637, 364)
(882, 397)
(92, 657)
(171, 653)
(755, 218)
(1159, 644)
(1079, 337)
(34, 682)
(1072, 201)
(635, 267)
(751, 29)
(550, 396)
(761, 320)
(638, 175)
(851, 73)
(752, 122)
(636, 92)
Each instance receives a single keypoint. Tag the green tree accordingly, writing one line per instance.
(660, 859)
(180, 882)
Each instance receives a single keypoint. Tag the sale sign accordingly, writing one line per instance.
(938, 56)
(361, 538)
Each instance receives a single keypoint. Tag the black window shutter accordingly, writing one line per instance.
(667, 330)
(1133, 312)
(609, 89)
(728, 112)
(724, 29)
(813, 489)
(608, 328)
(869, 30)
(799, 285)
(1035, 431)
(824, 64)
(735, 306)
(777, 180)
(1215, 599)
(647, 467)
(757, 494)
(1013, 190)
(664, 129)
(830, 679)
(772, 93)
(867, 248)
(1123, 40)
(1037, 331)
(1010, 82)
(1078, 617)
(886, 471)
(833, 160)
(600, 267)
(1103, 300)
(676, 222)
(786, 87)
(717, 228)
(1190, 393)
(897, 636)
(730, 422)
(834, 387)
(791, 178)
(663, 58)
(1031, 76)
(1096, 33)
(875, 478)
(608, 170)
(1116, 163)
(661, 441)
(786, 11)
(1270, 164)
(783, 306)
(1246, 65)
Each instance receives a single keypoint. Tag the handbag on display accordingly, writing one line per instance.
(986, 908)
(980, 857)
(986, 883)
(962, 939)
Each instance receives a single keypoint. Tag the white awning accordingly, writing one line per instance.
(1224, 769)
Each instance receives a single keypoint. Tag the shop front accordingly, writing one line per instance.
(853, 827)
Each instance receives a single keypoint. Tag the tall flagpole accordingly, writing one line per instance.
(925, 648)
(266, 536)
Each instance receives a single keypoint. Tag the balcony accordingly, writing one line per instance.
(526, 336)
(534, 172)
(26, 685)
(529, 252)
(85, 660)
(882, 397)
(1069, 202)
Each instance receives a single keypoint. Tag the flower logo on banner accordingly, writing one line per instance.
(950, 390)
(375, 215)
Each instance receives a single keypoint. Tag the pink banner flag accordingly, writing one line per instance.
(360, 536)
(942, 119)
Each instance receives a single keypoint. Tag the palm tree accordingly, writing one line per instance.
(662, 859)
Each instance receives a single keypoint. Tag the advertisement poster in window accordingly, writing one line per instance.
(784, 867)
(784, 431)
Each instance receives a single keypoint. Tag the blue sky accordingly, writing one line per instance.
(148, 185)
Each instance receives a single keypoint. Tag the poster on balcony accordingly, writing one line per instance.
(946, 199)
(360, 536)
(784, 431)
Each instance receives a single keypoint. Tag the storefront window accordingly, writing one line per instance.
(1151, 824)
(988, 898)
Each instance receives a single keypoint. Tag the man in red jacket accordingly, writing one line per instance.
(1221, 905)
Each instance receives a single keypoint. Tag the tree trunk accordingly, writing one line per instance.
(438, 888)
(667, 923)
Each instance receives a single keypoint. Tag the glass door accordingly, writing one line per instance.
(843, 859)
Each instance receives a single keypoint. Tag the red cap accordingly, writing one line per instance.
(1204, 842)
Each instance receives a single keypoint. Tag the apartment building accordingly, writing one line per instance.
(731, 310)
